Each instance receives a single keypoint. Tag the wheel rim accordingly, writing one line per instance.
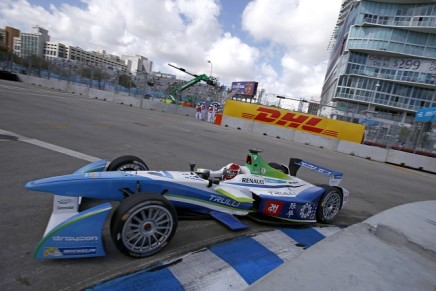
(332, 203)
(132, 167)
(147, 229)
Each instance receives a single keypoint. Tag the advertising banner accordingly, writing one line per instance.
(411, 64)
(295, 120)
(245, 88)
(426, 114)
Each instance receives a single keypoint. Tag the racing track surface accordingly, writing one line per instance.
(45, 133)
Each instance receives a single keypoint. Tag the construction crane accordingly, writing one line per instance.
(197, 78)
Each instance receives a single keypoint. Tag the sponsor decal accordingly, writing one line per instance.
(253, 181)
(192, 176)
(316, 168)
(64, 207)
(291, 208)
(75, 238)
(291, 119)
(281, 193)
(66, 204)
(275, 181)
(79, 251)
(224, 200)
(295, 184)
(161, 174)
(273, 208)
(65, 201)
(307, 211)
(59, 252)
(295, 120)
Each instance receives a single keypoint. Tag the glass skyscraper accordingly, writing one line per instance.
(383, 61)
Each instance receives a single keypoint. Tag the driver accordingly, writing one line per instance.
(231, 171)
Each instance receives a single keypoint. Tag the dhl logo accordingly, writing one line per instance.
(290, 119)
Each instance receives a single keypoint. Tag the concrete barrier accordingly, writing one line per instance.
(126, 99)
(273, 131)
(315, 140)
(237, 123)
(77, 89)
(411, 160)
(101, 95)
(393, 250)
(362, 151)
(359, 150)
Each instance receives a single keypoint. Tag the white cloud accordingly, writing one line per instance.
(285, 50)
(303, 28)
(234, 59)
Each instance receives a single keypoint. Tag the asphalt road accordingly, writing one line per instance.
(166, 142)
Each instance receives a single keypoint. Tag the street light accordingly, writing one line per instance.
(211, 67)
(280, 99)
(373, 95)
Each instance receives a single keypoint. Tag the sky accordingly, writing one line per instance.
(282, 44)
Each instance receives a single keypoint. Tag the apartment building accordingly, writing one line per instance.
(383, 61)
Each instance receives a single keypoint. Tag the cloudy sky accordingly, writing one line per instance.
(282, 44)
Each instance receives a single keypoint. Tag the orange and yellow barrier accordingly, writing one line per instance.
(295, 120)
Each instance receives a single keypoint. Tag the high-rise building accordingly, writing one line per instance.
(28, 44)
(137, 64)
(55, 50)
(7, 37)
(2, 38)
(383, 61)
(10, 34)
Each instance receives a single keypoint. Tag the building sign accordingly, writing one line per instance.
(408, 64)
(426, 114)
(245, 88)
(295, 120)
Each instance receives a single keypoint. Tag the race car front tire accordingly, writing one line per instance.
(143, 224)
(329, 204)
(127, 163)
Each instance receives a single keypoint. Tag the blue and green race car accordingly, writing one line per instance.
(150, 201)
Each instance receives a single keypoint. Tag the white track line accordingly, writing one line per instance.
(52, 147)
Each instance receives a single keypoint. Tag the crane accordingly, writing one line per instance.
(197, 78)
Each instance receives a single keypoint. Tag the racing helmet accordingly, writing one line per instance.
(231, 171)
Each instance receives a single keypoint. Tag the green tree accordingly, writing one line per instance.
(126, 81)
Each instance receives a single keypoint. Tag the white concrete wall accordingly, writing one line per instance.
(77, 89)
(411, 160)
(358, 150)
(362, 151)
(346, 147)
(101, 95)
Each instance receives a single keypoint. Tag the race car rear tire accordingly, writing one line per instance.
(143, 224)
(329, 205)
(127, 163)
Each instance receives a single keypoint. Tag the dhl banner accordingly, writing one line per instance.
(295, 120)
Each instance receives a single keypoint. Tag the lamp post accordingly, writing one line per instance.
(280, 99)
(373, 95)
(211, 67)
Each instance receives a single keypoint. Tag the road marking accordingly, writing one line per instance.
(51, 147)
(231, 265)
(220, 275)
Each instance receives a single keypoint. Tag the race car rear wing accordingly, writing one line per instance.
(295, 164)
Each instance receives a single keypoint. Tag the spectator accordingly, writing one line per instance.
(203, 111)
(198, 111)
(211, 113)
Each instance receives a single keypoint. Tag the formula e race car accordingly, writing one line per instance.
(146, 218)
